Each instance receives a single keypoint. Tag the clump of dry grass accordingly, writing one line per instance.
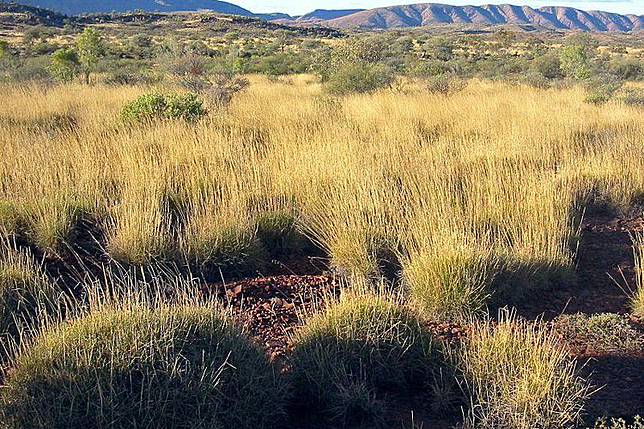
(349, 358)
(26, 294)
(141, 351)
(520, 377)
(637, 299)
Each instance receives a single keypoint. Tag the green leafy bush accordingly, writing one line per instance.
(601, 92)
(575, 62)
(346, 361)
(548, 66)
(155, 106)
(608, 333)
(360, 78)
(9, 220)
(65, 65)
(176, 367)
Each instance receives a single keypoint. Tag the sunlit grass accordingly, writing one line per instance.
(471, 193)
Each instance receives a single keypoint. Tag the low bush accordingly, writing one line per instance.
(9, 220)
(348, 360)
(535, 80)
(633, 97)
(232, 250)
(604, 423)
(176, 367)
(519, 377)
(450, 284)
(155, 106)
(278, 233)
(120, 78)
(359, 78)
(222, 88)
(607, 333)
(548, 66)
(444, 84)
(31, 70)
(626, 68)
(601, 92)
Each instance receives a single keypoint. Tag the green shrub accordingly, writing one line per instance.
(608, 333)
(535, 80)
(149, 107)
(359, 78)
(233, 249)
(452, 283)
(175, 367)
(348, 359)
(626, 68)
(519, 377)
(30, 70)
(277, 232)
(4, 49)
(548, 66)
(119, 78)
(65, 65)
(601, 92)
(575, 62)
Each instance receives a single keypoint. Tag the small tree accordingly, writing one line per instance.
(575, 62)
(90, 48)
(64, 65)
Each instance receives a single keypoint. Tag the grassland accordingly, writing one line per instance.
(476, 192)
(140, 254)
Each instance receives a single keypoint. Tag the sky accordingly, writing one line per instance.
(300, 7)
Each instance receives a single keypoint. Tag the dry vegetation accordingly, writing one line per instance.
(472, 193)
(459, 195)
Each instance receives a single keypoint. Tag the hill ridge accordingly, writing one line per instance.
(552, 17)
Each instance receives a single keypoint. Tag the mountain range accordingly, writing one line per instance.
(415, 15)
(427, 14)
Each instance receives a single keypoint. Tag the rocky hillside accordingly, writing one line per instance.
(77, 7)
(327, 14)
(428, 14)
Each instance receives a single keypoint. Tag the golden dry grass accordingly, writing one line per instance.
(482, 187)
(520, 377)
(637, 298)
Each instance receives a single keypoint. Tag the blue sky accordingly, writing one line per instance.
(298, 7)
